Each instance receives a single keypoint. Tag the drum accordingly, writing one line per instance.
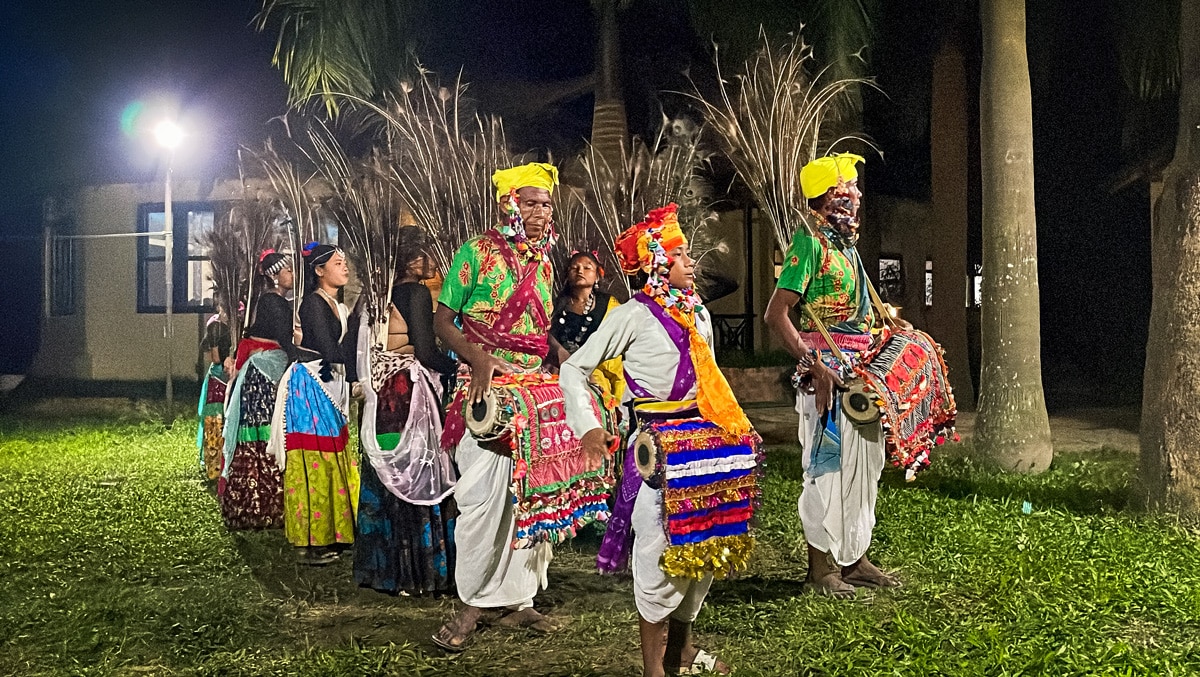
(711, 486)
(489, 420)
(906, 377)
(860, 403)
(555, 493)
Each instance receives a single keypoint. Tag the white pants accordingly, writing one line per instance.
(657, 595)
(837, 507)
(488, 572)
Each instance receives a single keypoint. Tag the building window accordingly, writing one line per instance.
(975, 294)
(928, 283)
(62, 276)
(192, 274)
(891, 278)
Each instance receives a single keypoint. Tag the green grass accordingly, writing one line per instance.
(113, 561)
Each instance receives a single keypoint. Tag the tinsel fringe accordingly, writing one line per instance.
(722, 556)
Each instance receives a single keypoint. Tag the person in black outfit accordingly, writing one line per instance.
(401, 546)
(320, 479)
(272, 317)
(578, 312)
(250, 491)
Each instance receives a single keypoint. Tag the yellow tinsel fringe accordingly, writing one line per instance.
(722, 556)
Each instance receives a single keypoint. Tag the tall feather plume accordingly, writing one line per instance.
(441, 155)
(668, 168)
(297, 192)
(235, 241)
(774, 121)
(366, 204)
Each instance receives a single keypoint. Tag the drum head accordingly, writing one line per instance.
(859, 403)
(481, 416)
(645, 455)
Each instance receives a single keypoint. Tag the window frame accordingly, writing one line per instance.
(181, 237)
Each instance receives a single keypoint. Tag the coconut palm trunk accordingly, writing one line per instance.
(947, 318)
(610, 127)
(1170, 435)
(1011, 427)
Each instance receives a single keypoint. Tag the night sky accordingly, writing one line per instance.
(69, 69)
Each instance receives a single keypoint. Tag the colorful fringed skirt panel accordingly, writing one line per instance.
(251, 493)
(321, 479)
(711, 489)
(212, 411)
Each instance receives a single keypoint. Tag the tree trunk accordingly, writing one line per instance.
(1170, 434)
(1012, 427)
(947, 319)
(610, 129)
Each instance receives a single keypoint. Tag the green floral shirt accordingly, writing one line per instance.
(480, 282)
(828, 280)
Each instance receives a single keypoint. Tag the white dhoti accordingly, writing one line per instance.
(488, 572)
(837, 506)
(657, 595)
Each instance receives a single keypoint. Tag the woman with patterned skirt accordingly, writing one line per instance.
(405, 537)
(308, 431)
(251, 488)
(211, 409)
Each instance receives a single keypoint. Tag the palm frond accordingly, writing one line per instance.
(1148, 40)
(775, 121)
(328, 46)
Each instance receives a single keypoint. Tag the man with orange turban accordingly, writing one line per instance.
(664, 335)
(842, 461)
(499, 286)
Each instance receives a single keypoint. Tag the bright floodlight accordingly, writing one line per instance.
(168, 134)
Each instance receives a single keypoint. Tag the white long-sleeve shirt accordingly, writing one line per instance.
(632, 332)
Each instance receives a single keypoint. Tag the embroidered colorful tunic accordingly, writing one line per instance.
(827, 278)
(485, 277)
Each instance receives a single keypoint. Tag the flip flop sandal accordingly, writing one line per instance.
(704, 662)
(542, 626)
(868, 583)
(446, 645)
(319, 560)
(826, 591)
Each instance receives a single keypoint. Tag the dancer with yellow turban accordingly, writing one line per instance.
(842, 461)
(500, 286)
(664, 336)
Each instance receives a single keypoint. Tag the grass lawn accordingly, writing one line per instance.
(113, 560)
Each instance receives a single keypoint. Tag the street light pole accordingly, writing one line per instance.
(168, 264)
(169, 135)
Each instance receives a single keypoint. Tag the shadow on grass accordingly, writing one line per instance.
(754, 589)
(1092, 482)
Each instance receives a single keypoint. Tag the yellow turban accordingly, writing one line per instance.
(823, 173)
(533, 175)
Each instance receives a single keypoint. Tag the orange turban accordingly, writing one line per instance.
(635, 247)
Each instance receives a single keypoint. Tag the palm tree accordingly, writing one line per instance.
(1012, 427)
(1170, 433)
(949, 129)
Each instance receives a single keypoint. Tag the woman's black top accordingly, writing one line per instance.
(415, 305)
(323, 335)
(572, 330)
(273, 321)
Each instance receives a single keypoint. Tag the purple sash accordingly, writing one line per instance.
(685, 373)
(618, 536)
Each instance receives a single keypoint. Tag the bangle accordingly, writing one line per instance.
(807, 361)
